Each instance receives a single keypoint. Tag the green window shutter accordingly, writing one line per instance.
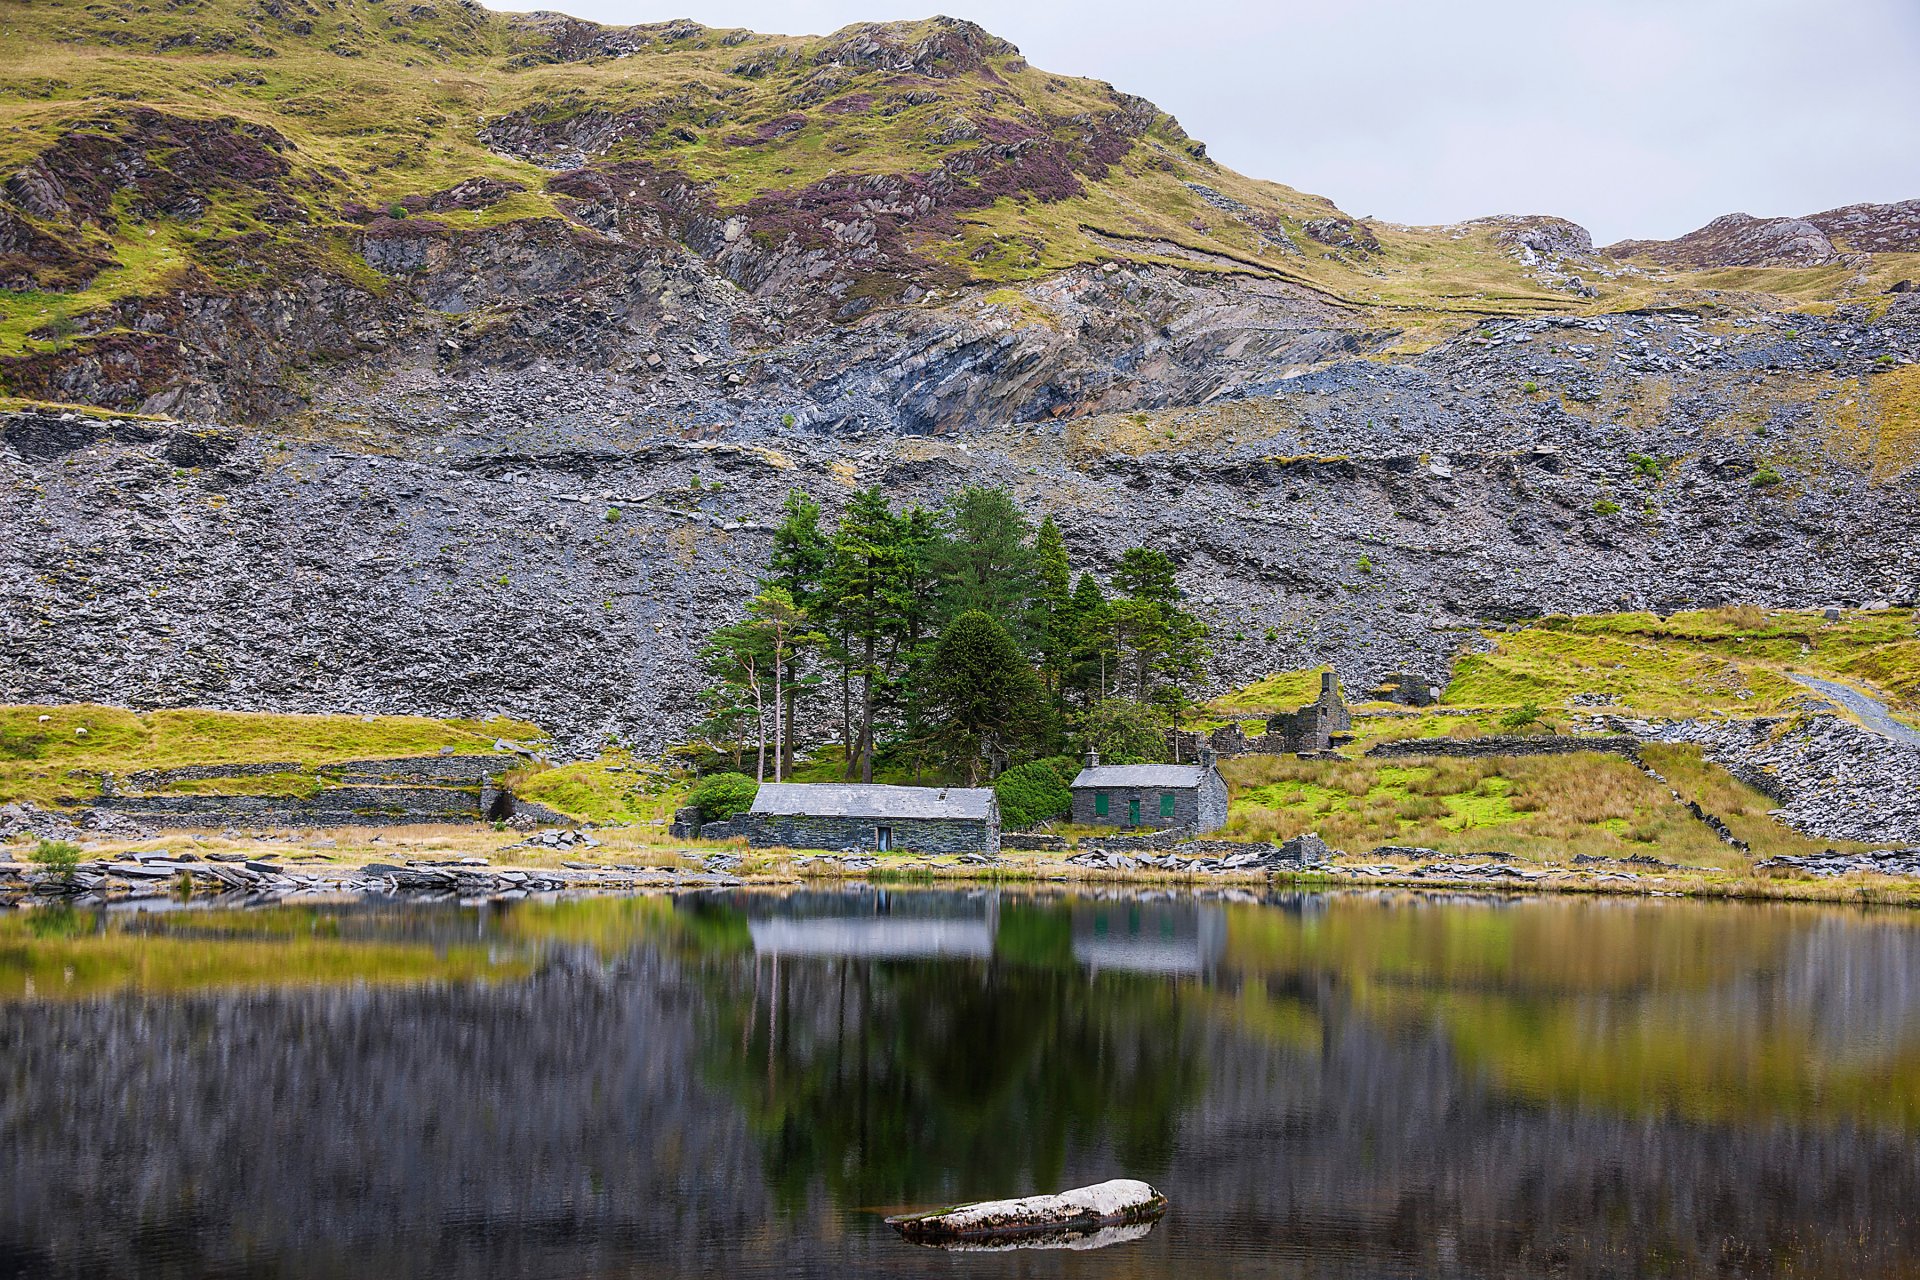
(1099, 804)
(1166, 804)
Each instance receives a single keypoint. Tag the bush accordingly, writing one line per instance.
(719, 796)
(396, 211)
(57, 856)
(1522, 716)
(1766, 477)
(613, 515)
(1605, 507)
(1029, 794)
(1530, 387)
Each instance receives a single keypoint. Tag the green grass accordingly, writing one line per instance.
(613, 788)
(56, 762)
(1281, 691)
(1545, 808)
(1723, 661)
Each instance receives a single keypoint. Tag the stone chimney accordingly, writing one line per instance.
(1093, 758)
(1207, 758)
(1327, 694)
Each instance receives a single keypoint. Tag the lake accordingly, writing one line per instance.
(743, 1084)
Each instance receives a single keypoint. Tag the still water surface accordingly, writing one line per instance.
(1337, 1085)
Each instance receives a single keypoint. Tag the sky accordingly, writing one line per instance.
(1635, 118)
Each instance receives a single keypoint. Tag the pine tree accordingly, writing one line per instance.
(783, 629)
(865, 580)
(1051, 613)
(1162, 639)
(920, 544)
(798, 565)
(1093, 646)
(738, 665)
(984, 690)
(984, 561)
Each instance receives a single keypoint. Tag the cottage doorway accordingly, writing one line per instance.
(883, 839)
(1133, 812)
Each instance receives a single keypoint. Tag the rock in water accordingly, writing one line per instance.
(1106, 1204)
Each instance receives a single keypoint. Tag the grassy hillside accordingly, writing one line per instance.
(1714, 662)
(233, 146)
(55, 755)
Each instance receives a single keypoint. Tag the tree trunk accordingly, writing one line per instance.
(760, 727)
(779, 702)
(846, 719)
(866, 716)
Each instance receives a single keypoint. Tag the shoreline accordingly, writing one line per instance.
(189, 868)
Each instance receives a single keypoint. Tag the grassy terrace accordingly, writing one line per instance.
(56, 754)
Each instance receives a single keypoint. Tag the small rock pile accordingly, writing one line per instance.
(1886, 862)
(1227, 857)
(567, 838)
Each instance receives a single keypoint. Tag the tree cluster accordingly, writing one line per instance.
(955, 639)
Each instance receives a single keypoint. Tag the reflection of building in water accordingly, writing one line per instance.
(883, 927)
(1150, 937)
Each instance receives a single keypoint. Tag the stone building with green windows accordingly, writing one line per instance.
(1155, 796)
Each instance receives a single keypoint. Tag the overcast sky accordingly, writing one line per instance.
(1636, 118)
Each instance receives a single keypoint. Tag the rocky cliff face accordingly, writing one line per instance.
(1741, 240)
(526, 540)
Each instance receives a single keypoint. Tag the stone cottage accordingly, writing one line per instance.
(1193, 796)
(873, 818)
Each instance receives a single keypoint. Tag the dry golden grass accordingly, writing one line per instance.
(1543, 808)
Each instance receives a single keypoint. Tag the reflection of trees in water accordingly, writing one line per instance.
(1312, 1111)
(912, 1081)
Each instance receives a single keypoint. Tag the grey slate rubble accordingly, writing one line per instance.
(1831, 777)
(1204, 857)
(154, 563)
(1886, 862)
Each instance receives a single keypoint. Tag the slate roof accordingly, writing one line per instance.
(1140, 775)
(873, 800)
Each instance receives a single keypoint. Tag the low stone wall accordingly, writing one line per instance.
(1165, 839)
(404, 769)
(1506, 745)
(1033, 842)
(331, 807)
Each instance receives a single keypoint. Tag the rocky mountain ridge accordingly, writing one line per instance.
(1741, 240)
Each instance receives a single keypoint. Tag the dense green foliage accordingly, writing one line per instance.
(955, 639)
(721, 795)
(1031, 793)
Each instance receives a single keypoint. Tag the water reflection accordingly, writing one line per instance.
(1337, 1085)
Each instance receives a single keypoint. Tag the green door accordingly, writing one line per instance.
(1133, 812)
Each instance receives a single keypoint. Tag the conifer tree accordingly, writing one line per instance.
(865, 580)
(798, 565)
(984, 690)
(984, 561)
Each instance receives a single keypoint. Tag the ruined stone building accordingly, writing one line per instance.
(1314, 727)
